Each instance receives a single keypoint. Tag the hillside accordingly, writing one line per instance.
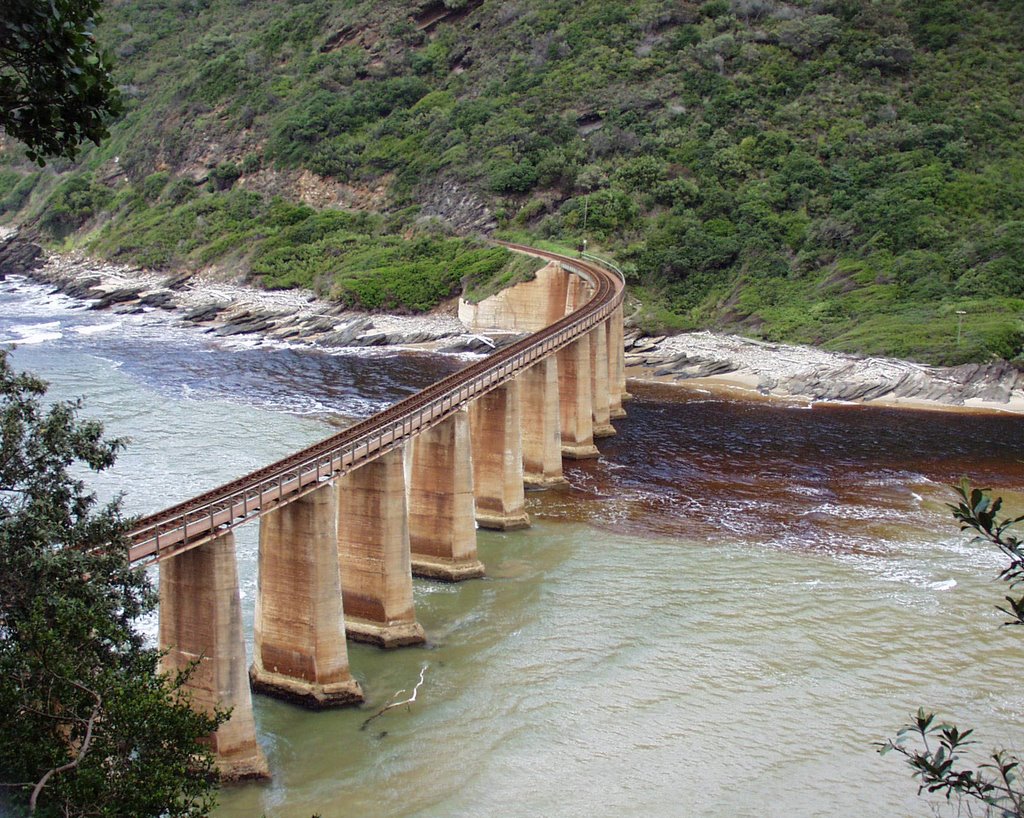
(839, 172)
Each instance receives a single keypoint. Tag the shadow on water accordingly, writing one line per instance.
(828, 477)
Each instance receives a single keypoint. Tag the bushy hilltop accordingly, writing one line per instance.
(840, 172)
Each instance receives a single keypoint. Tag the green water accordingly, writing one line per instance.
(595, 674)
(717, 618)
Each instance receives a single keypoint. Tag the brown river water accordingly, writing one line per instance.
(719, 617)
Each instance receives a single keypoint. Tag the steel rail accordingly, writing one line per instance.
(202, 518)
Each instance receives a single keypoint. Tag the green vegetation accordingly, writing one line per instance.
(89, 725)
(825, 171)
(939, 753)
(355, 258)
(485, 281)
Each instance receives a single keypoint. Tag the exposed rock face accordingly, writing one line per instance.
(458, 206)
(18, 256)
(806, 372)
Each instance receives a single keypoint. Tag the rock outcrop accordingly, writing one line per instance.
(18, 256)
(815, 374)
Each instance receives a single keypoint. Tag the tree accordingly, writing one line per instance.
(88, 725)
(937, 751)
(55, 85)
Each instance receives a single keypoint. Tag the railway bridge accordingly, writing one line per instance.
(347, 522)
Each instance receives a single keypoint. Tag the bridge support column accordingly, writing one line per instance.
(498, 459)
(576, 411)
(373, 543)
(616, 366)
(541, 424)
(599, 382)
(201, 622)
(300, 652)
(442, 524)
(577, 293)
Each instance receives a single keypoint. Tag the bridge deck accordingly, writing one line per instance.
(208, 515)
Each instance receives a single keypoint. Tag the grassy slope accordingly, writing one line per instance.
(830, 171)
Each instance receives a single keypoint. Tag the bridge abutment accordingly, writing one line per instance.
(442, 524)
(541, 425)
(201, 622)
(498, 459)
(373, 543)
(300, 650)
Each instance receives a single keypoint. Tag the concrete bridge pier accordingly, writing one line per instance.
(617, 356)
(442, 515)
(616, 366)
(600, 402)
(541, 424)
(201, 622)
(300, 651)
(498, 459)
(373, 545)
(575, 406)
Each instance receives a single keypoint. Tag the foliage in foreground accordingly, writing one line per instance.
(936, 751)
(56, 91)
(88, 725)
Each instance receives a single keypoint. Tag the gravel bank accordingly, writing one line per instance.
(225, 309)
(709, 360)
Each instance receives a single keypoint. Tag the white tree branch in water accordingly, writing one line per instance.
(391, 703)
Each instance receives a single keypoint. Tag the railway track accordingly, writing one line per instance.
(197, 520)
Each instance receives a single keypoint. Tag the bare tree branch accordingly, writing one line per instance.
(81, 750)
(391, 704)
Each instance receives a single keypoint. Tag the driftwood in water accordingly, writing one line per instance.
(391, 703)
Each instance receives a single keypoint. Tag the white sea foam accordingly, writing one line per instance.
(95, 329)
(845, 512)
(944, 585)
(28, 334)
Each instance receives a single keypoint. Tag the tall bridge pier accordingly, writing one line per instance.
(376, 562)
(347, 522)
(300, 650)
(540, 425)
(498, 459)
(201, 626)
(442, 508)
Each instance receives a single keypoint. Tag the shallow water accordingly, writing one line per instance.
(718, 617)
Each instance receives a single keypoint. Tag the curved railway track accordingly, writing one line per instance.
(208, 515)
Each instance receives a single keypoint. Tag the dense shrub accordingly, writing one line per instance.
(75, 201)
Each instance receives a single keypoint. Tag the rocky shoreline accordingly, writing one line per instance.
(808, 374)
(225, 310)
(697, 360)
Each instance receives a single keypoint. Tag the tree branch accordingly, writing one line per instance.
(81, 750)
(391, 704)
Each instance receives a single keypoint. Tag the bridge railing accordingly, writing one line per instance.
(196, 521)
(605, 263)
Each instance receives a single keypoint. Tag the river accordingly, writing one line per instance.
(717, 618)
